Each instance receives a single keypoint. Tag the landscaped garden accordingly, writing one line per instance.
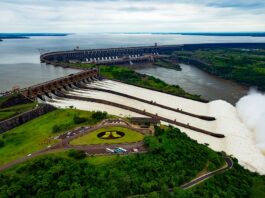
(40, 132)
(109, 135)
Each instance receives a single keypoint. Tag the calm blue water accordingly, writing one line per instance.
(196, 81)
(19, 58)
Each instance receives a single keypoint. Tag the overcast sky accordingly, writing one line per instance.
(84, 16)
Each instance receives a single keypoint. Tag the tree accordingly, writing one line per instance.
(79, 120)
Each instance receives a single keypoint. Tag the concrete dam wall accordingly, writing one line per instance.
(108, 55)
(25, 117)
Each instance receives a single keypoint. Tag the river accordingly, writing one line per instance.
(20, 64)
(196, 81)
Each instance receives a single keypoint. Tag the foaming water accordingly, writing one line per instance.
(251, 110)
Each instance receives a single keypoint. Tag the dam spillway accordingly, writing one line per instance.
(238, 139)
(60, 83)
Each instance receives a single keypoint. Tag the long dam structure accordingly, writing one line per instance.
(125, 55)
(109, 55)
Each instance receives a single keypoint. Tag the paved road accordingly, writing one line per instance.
(97, 149)
(196, 181)
(90, 150)
(228, 165)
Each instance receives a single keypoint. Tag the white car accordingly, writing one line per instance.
(109, 150)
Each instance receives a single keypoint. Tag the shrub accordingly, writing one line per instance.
(77, 154)
(62, 127)
(2, 143)
(79, 120)
(98, 115)
(56, 128)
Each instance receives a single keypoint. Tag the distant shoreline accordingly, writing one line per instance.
(251, 34)
(4, 36)
(14, 37)
(254, 34)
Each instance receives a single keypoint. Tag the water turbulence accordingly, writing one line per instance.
(251, 110)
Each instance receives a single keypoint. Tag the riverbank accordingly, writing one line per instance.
(245, 66)
(196, 81)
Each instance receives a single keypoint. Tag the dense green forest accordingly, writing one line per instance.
(167, 63)
(246, 66)
(172, 160)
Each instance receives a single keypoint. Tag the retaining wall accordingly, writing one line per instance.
(25, 117)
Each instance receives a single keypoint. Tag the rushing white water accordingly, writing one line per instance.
(90, 106)
(251, 110)
(239, 139)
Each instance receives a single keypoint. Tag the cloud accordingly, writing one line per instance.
(131, 15)
(137, 9)
(237, 4)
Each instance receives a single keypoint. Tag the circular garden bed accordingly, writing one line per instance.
(109, 135)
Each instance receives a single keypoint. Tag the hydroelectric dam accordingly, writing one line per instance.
(109, 56)
(215, 123)
(125, 55)
(63, 87)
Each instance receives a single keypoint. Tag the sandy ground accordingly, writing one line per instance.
(239, 140)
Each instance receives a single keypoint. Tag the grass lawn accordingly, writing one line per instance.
(94, 160)
(9, 112)
(38, 133)
(92, 138)
(57, 153)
